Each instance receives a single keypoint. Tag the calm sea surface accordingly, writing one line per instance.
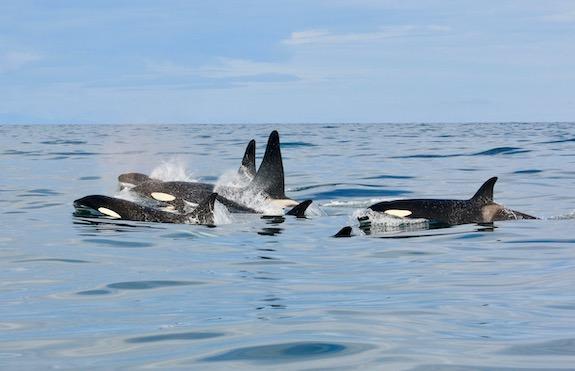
(256, 293)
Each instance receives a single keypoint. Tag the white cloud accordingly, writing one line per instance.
(168, 68)
(227, 67)
(323, 37)
(15, 60)
(222, 68)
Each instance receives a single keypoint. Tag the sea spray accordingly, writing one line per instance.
(222, 215)
(381, 222)
(173, 169)
(354, 203)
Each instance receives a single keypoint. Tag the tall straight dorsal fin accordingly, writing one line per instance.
(270, 176)
(204, 213)
(485, 194)
(248, 167)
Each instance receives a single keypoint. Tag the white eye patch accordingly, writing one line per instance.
(165, 197)
(110, 213)
(398, 213)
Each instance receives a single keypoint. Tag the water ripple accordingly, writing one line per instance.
(561, 347)
(175, 336)
(146, 285)
(289, 352)
(118, 243)
(344, 193)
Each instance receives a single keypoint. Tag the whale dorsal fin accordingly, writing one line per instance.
(248, 167)
(344, 232)
(270, 175)
(485, 194)
(204, 213)
(299, 210)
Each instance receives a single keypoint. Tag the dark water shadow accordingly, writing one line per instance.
(40, 192)
(297, 144)
(386, 176)
(561, 347)
(479, 368)
(63, 141)
(137, 285)
(289, 352)
(147, 285)
(270, 231)
(101, 224)
(559, 141)
(501, 151)
(95, 292)
(174, 336)
(313, 186)
(528, 171)
(490, 152)
(344, 193)
(52, 260)
(118, 243)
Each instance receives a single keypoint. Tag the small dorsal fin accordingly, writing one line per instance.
(248, 167)
(344, 232)
(270, 176)
(299, 209)
(485, 194)
(204, 213)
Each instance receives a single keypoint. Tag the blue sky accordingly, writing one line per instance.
(170, 61)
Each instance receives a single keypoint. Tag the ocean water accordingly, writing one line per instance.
(283, 294)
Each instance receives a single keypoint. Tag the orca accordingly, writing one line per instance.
(246, 172)
(267, 181)
(478, 209)
(117, 208)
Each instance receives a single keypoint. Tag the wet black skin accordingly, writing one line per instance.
(299, 210)
(478, 209)
(128, 210)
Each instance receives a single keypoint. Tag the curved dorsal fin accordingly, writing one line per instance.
(299, 210)
(270, 175)
(485, 194)
(248, 167)
(344, 232)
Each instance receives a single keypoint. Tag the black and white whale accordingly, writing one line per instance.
(267, 182)
(478, 209)
(246, 172)
(117, 208)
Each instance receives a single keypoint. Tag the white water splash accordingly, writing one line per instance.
(232, 186)
(173, 169)
(355, 203)
(232, 178)
(222, 215)
(387, 221)
(568, 216)
(314, 210)
(125, 194)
